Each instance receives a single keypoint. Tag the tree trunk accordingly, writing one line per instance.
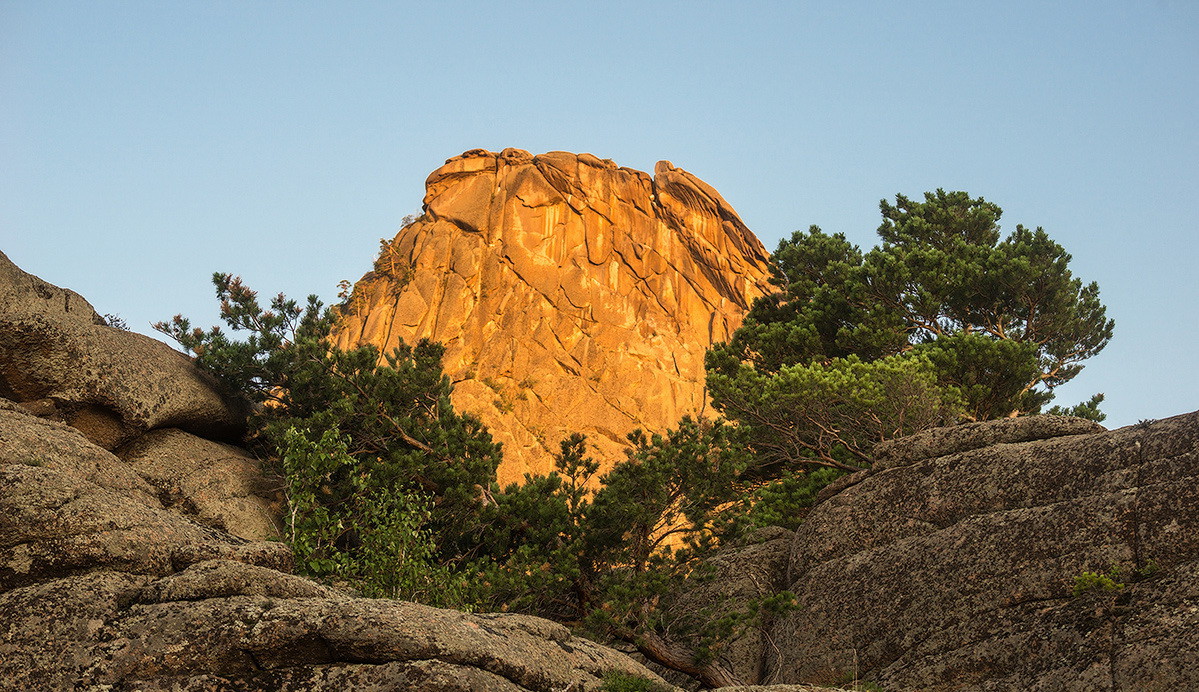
(680, 658)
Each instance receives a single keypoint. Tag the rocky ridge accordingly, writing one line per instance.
(572, 295)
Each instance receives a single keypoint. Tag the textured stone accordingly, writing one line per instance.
(968, 436)
(954, 571)
(58, 357)
(572, 295)
(259, 643)
(752, 569)
(218, 484)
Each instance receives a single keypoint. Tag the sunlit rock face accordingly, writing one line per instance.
(572, 295)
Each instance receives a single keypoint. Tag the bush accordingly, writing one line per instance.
(375, 536)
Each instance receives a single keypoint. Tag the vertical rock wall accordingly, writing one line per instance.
(572, 295)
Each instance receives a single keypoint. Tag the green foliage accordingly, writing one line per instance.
(379, 433)
(1088, 409)
(832, 413)
(991, 326)
(535, 541)
(782, 501)
(616, 681)
(605, 560)
(398, 421)
(282, 338)
(375, 536)
(1097, 581)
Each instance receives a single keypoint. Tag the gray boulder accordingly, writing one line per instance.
(952, 567)
(217, 484)
(59, 359)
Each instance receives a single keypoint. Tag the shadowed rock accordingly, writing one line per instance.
(951, 567)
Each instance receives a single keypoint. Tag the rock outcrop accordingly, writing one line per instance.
(146, 569)
(59, 359)
(572, 295)
(951, 565)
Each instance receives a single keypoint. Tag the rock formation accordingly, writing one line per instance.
(146, 569)
(572, 295)
(59, 359)
(950, 565)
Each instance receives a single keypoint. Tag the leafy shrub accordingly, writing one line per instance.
(1089, 582)
(1097, 581)
(374, 536)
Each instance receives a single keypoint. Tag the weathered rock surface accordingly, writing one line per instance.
(103, 584)
(572, 295)
(58, 359)
(218, 484)
(232, 629)
(951, 567)
(71, 508)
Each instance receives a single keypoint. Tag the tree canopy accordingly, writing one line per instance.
(996, 323)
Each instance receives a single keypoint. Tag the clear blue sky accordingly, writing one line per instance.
(144, 145)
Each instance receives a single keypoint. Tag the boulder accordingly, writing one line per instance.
(225, 625)
(105, 586)
(71, 507)
(303, 641)
(59, 359)
(218, 484)
(572, 295)
(953, 567)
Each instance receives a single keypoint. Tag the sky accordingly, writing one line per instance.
(145, 145)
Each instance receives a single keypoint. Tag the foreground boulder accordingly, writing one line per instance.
(953, 564)
(217, 484)
(59, 359)
(102, 583)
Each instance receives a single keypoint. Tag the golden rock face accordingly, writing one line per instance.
(572, 295)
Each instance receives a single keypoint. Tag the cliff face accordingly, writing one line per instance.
(572, 295)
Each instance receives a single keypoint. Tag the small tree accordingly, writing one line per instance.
(605, 560)
(375, 537)
(833, 414)
(380, 432)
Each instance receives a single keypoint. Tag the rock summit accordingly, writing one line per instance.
(572, 295)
